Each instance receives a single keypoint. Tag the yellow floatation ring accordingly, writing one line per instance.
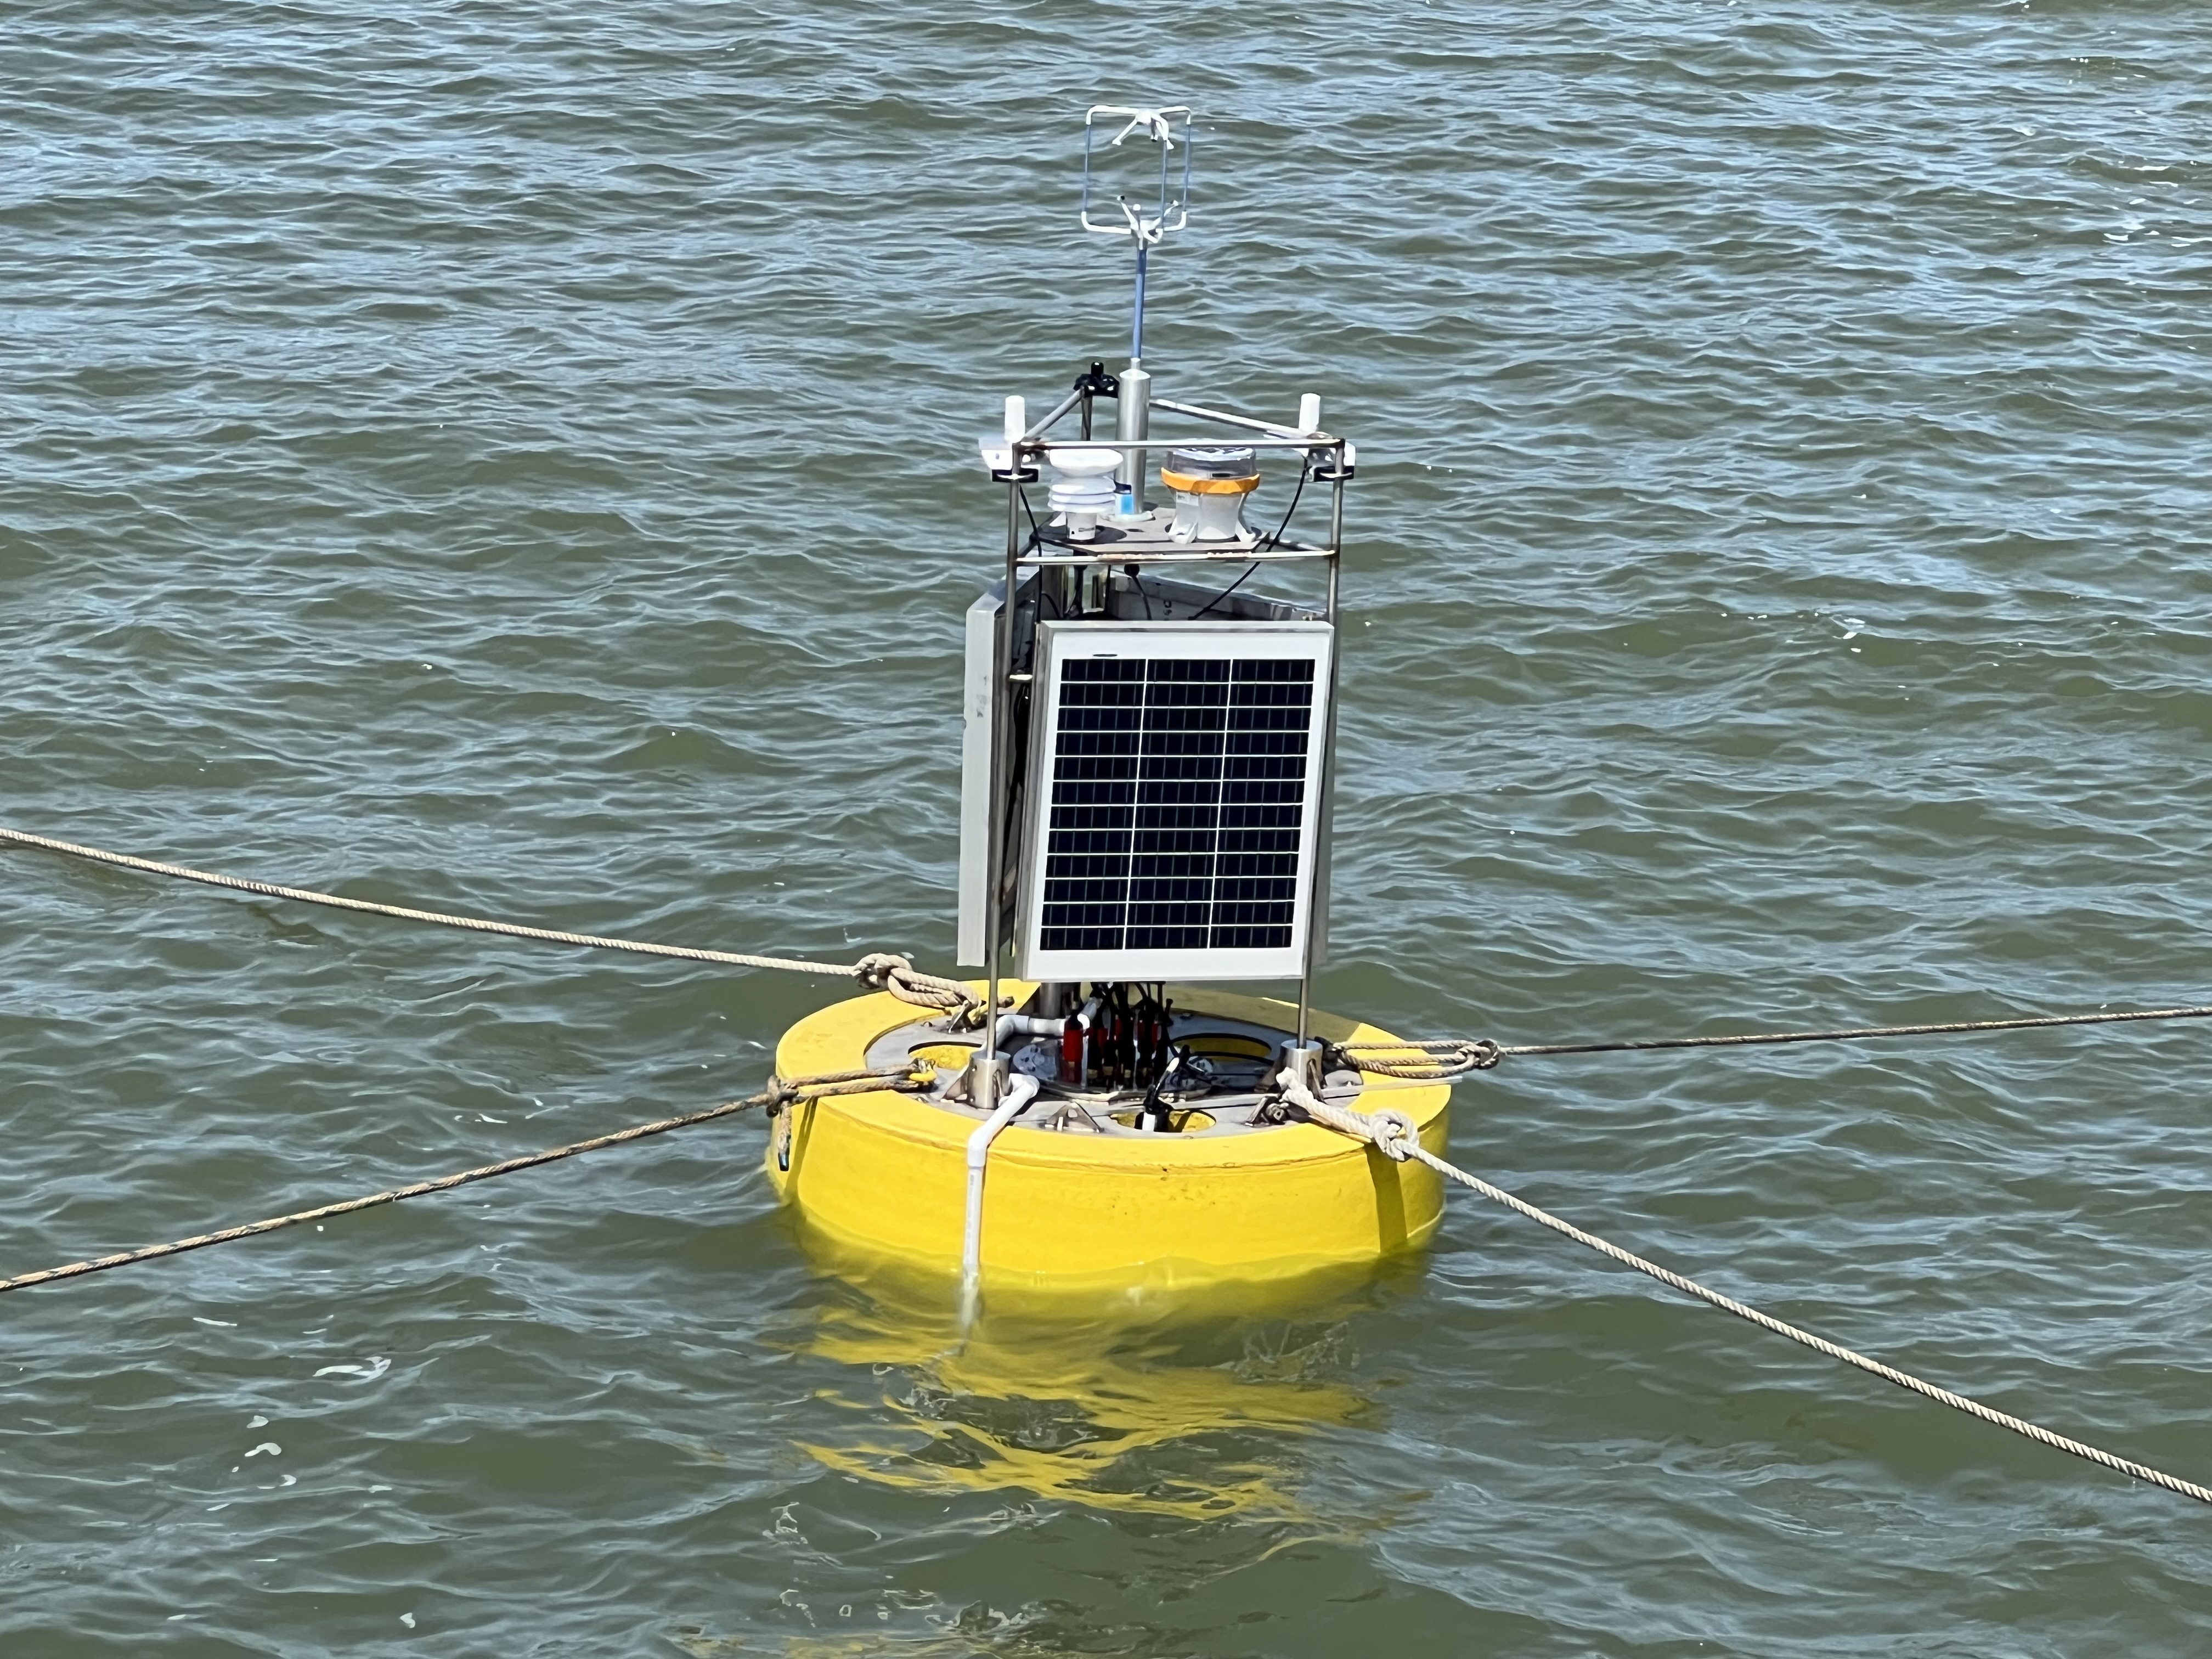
(886, 1173)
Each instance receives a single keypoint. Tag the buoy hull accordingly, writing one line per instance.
(886, 1173)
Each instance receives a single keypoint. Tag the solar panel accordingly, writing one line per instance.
(1174, 828)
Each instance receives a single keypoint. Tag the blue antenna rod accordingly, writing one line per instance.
(1137, 322)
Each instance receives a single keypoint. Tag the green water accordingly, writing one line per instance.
(515, 460)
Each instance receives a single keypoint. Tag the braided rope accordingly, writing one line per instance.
(878, 971)
(1445, 1060)
(775, 1097)
(1394, 1133)
(1859, 1033)
(1439, 1059)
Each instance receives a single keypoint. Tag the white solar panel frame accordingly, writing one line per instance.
(1059, 642)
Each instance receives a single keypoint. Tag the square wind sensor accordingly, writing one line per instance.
(1176, 809)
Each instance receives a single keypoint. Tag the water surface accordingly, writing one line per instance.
(515, 460)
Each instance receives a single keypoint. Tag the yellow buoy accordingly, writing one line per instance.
(887, 1173)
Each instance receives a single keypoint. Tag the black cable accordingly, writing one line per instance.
(1305, 469)
(1154, 1115)
(1037, 535)
(1224, 593)
(1137, 582)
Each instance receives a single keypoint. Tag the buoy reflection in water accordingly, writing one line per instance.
(1192, 1408)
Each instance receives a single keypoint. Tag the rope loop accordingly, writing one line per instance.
(1394, 1133)
(1388, 1130)
(880, 971)
(874, 970)
(1439, 1060)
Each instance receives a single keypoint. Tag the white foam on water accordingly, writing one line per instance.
(376, 1367)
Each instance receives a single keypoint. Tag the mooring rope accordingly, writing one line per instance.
(777, 1095)
(879, 971)
(1443, 1060)
(1394, 1133)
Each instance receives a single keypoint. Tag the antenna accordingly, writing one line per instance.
(1144, 226)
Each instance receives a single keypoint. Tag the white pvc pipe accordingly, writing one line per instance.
(1014, 1025)
(1021, 1090)
(1083, 1018)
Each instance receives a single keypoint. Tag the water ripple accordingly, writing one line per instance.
(515, 462)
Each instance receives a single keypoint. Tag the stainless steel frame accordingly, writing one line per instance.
(1330, 458)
